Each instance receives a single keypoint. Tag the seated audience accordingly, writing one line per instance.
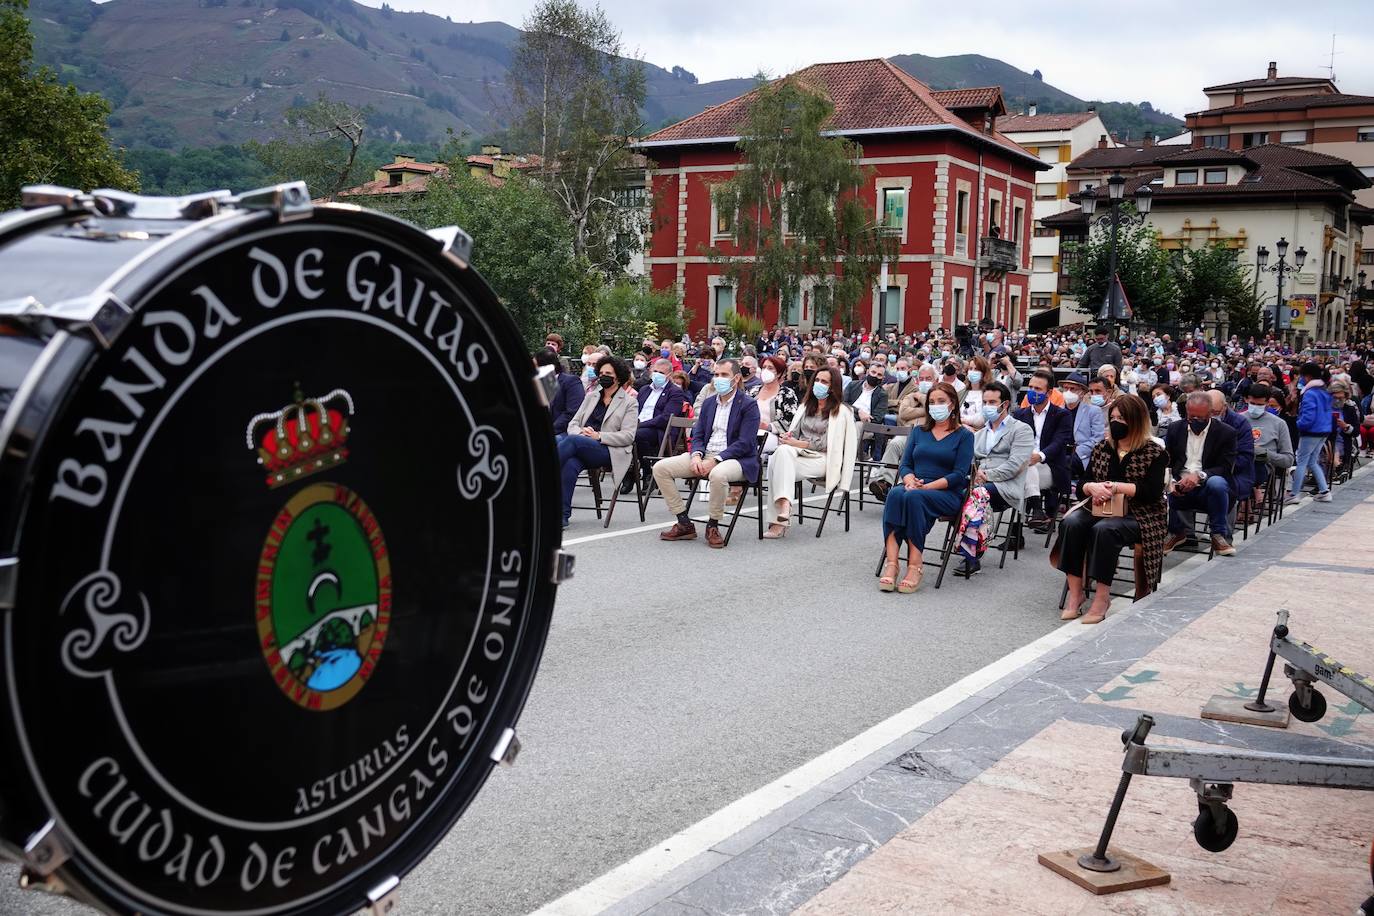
(1048, 473)
(602, 432)
(1273, 445)
(1202, 456)
(1002, 447)
(911, 411)
(568, 394)
(659, 401)
(822, 441)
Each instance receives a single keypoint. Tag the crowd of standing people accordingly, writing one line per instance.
(1113, 440)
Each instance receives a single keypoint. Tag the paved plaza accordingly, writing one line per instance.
(759, 730)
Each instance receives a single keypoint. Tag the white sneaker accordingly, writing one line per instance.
(1323, 497)
(1292, 500)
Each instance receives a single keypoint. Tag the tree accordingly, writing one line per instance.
(1143, 266)
(321, 147)
(629, 311)
(797, 211)
(575, 101)
(53, 134)
(522, 246)
(1213, 274)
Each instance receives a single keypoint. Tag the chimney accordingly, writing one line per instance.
(1102, 142)
(1148, 139)
(1030, 109)
(1273, 70)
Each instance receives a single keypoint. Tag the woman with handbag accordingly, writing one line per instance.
(1124, 506)
(821, 440)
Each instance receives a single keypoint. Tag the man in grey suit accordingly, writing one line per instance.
(1003, 448)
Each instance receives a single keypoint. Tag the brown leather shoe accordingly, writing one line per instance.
(1174, 540)
(1222, 547)
(713, 537)
(879, 489)
(682, 531)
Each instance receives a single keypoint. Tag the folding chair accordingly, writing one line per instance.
(949, 542)
(594, 480)
(1010, 532)
(756, 484)
(1134, 595)
(826, 510)
(673, 443)
(880, 434)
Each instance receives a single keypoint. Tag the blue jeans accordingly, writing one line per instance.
(1214, 496)
(574, 454)
(1309, 458)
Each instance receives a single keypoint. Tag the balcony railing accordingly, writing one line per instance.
(997, 254)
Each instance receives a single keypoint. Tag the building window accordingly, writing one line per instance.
(1047, 191)
(1041, 302)
(1185, 176)
(1215, 141)
(961, 213)
(1214, 176)
(1043, 263)
(1255, 139)
(1049, 154)
(723, 224)
(1018, 217)
(957, 315)
(989, 304)
(1013, 316)
(995, 216)
(723, 303)
(1042, 232)
(1293, 136)
(1367, 257)
(890, 308)
(793, 316)
(1364, 134)
(394, 179)
(894, 209)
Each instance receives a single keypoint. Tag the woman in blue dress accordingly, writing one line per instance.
(933, 482)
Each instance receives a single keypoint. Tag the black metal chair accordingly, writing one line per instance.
(879, 435)
(746, 484)
(595, 478)
(1128, 566)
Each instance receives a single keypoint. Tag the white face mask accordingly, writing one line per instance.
(768, 376)
(1071, 398)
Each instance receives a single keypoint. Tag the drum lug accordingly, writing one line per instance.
(453, 242)
(108, 202)
(33, 196)
(290, 201)
(9, 581)
(381, 900)
(507, 748)
(562, 567)
(545, 384)
(46, 850)
(101, 319)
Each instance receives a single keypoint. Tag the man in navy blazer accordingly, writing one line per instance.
(568, 393)
(1049, 463)
(724, 450)
(659, 400)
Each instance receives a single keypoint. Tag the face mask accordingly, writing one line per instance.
(1161, 401)
(589, 360)
(991, 413)
(974, 376)
(902, 375)
(810, 374)
(874, 381)
(1158, 361)
(866, 354)
(1036, 398)
(640, 364)
(1198, 426)
(939, 412)
(723, 385)
(1169, 366)
(821, 390)
(1119, 430)
(768, 376)
(589, 372)
(664, 352)
(606, 381)
(746, 371)
(925, 386)
(944, 353)
(659, 379)
(1071, 398)
(1255, 411)
(990, 337)
(1273, 410)
(1097, 400)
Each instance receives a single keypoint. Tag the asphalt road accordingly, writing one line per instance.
(679, 678)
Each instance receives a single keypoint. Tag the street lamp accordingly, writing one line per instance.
(1116, 196)
(1280, 270)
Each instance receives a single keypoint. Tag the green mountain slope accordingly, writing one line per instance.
(183, 73)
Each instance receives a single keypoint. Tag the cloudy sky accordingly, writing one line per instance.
(1161, 50)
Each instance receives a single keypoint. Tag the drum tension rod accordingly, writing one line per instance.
(381, 900)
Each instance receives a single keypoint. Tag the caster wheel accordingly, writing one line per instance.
(1212, 836)
(1310, 713)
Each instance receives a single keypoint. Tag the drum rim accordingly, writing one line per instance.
(131, 284)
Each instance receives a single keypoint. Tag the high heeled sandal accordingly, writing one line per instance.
(778, 529)
(888, 583)
(907, 586)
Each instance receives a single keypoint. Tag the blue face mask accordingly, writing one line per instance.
(991, 413)
(974, 376)
(902, 375)
(1160, 401)
(821, 390)
(1273, 410)
(939, 412)
(1036, 398)
(1097, 400)
(723, 385)
(659, 379)
(664, 352)
(1255, 411)
(589, 372)
(925, 386)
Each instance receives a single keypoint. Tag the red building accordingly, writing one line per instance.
(955, 192)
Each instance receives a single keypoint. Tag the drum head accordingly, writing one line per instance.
(285, 575)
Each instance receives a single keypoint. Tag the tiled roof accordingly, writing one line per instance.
(1205, 156)
(429, 167)
(866, 95)
(982, 97)
(1291, 103)
(382, 186)
(1025, 124)
(515, 162)
(1264, 83)
(1119, 157)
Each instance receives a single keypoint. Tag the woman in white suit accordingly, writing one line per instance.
(822, 440)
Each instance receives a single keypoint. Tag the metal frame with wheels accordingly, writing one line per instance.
(1306, 664)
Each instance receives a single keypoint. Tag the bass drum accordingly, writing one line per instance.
(279, 543)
